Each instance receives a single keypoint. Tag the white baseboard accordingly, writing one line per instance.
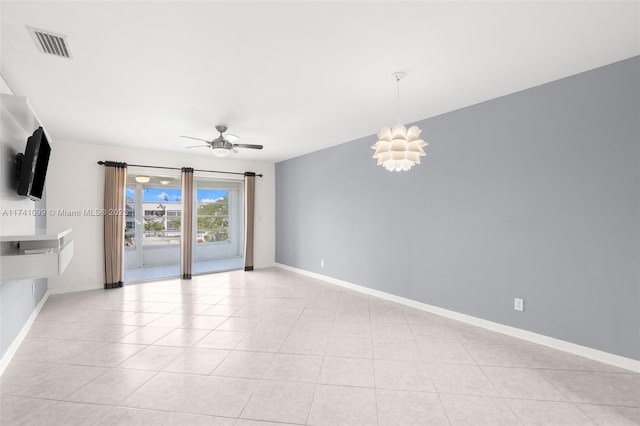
(65, 290)
(11, 351)
(583, 351)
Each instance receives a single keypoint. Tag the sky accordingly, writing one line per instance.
(152, 195)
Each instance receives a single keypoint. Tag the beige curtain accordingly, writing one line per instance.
(249, 206)
(115, 181)
(186, 252)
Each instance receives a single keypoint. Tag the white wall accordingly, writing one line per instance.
(75, 182)
(17, 122)
(4, 87)
(18, 298)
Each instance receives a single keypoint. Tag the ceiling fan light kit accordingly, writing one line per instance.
(398, 148)
(221, 146)
(221, 152)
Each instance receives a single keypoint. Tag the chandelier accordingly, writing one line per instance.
(398, 148)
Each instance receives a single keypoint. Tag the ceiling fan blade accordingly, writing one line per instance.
(198, 146)
(231, 137)
(244, 145)
(197, 139)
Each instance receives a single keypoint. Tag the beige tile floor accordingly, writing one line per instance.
(270, 347)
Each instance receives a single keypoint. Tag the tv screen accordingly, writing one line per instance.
(33, 165)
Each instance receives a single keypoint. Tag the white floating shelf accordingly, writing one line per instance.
(47, 255)
(40, 235)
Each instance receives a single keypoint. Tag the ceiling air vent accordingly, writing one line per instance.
(48, 42)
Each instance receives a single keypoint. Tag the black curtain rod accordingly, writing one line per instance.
(102, 163)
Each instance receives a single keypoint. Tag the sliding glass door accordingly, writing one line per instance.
(153, 226)
(219, 236)
(152, 229)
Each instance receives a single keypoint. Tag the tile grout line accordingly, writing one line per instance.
(444, 410)
(373, 362)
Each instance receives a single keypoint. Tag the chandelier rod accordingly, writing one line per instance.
(398, 109)
(399, 75)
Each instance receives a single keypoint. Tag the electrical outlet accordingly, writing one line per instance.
(518, 304)
(322, 263)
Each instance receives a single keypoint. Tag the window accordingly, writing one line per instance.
(162, 212)
(212, 216)
(153, 212)
(217, 219)
(130, 217)
(154, 220)
(173, 220)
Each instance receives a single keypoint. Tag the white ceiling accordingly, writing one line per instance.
(293, 76)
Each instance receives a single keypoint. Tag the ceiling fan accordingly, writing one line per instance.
(221, 146)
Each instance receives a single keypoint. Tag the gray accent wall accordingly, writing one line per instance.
(534, 195)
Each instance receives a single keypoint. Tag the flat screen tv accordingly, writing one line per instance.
(32, 165)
